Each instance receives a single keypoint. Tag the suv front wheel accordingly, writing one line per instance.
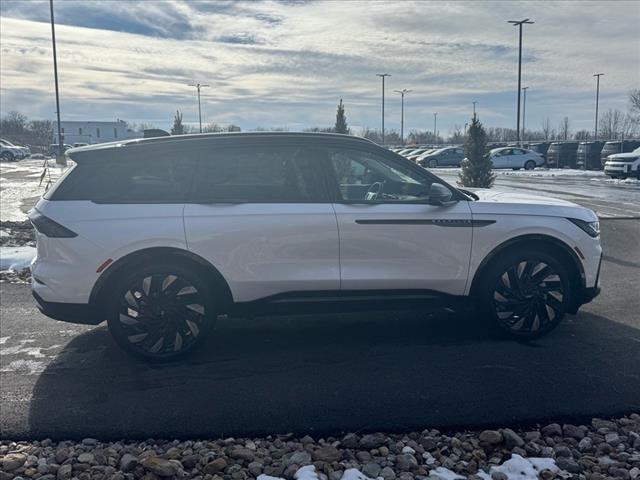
(525, 293)
(160, 313)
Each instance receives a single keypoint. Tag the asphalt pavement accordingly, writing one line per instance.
(327, 374)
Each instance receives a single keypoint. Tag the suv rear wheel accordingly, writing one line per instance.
(160, 312)
(525, 294)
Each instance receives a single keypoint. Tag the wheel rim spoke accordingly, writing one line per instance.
(162, 314)
(528, 296)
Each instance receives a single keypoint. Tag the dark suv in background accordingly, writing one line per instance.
(617, 146)
(540, 148)
(562, 154)
(588, 155)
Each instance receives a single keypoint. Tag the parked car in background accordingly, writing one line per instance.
(78, 144)
(623, 165)
(515, 158)
(11, 152)
(562, 154)
(159, 237)
(417, 153)
(541, 148)
(443, 157)
(588, 155)
(428, 151)
(407, 150)
(617, 146)
(53, 148)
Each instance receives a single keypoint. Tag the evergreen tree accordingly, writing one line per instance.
(178, 127)
(476, 168)
(341, 120)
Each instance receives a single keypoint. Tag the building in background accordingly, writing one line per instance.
(93, 132)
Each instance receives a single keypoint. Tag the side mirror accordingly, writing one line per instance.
(439, 195)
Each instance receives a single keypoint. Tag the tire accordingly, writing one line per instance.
(8, 156)
(433, 163)
(529, 165)
(524, 294)
(161, 312)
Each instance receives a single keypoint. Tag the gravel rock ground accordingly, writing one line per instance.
(604, 449)
(16, 234)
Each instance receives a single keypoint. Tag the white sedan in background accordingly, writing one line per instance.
(516, 158)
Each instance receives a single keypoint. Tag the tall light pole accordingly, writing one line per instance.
(435, 123)
(402, 93)
(524, 110)
(382, 75)
(55, 75)
(519, 23)
(199, 86)
(597, 75)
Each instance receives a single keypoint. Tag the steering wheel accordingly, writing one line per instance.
(373, 191)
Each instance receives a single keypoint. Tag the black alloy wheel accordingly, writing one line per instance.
(529, 298)
(161, 313)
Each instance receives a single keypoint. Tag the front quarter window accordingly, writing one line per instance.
(368, 177)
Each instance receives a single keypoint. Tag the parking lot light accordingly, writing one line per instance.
(198, 87)
(402, 93)
(524, 110)
(435, 124)
(595, 132)
(60, 159)
(382, 75)
(519, 23)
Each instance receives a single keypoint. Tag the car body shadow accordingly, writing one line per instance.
(326, 374)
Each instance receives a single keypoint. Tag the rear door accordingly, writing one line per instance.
(501, 158)
(390, 238)
(260, 214)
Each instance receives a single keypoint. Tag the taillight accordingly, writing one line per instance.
(48, 227)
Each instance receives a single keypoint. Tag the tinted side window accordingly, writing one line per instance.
(366, 177)
(134, 179)
(260, 174)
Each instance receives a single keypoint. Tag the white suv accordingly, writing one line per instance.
(623, 164)
(160, 236)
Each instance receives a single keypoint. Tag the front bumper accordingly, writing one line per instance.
(616, 169)
(82, 313)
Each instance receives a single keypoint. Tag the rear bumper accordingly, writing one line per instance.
(82, 313)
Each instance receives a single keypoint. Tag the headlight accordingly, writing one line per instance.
(591, 228)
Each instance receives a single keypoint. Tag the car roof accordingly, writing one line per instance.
(83, 153)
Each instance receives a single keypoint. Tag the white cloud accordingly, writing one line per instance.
(288, 63)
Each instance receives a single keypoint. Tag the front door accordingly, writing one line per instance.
(390, 237)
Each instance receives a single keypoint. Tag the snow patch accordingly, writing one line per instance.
(520, 468)
(442, 473)
(306, 473)
(309, 473)
(16, 258)
(354, 474)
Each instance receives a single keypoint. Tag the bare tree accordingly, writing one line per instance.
(546, 128)
(634, 100)
(564, 129)
(610, 123)
(458, 136)
(581, 135)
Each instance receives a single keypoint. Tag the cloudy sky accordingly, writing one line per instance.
(287, 63)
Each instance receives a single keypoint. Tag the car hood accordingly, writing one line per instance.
(512, 203)
(621, 156)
